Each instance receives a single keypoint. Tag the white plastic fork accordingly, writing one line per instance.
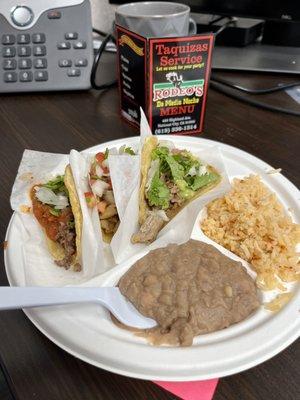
(109, 297)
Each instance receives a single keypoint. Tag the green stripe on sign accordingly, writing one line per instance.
(167, 85)
(197, 82)
(163, 85)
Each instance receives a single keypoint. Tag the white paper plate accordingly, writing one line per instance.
(87, 332)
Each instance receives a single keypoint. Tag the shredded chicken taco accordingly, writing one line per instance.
(56, 206)
(170, 179)
(101, 194)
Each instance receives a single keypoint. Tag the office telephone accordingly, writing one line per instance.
(45, 45)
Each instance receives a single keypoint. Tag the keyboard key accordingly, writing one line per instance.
(25, 76)
(40, 63)
(65, 63)
(8, 39)
(81, 62)
(53, 14)
(24, 51)
(9, 64)
(39, 50)
(74, 72)
(25, 63)
(71, 35)
(38, 38)
(41, 76)
(81, 44)
(23, 38)
(10, 77)
(9, 51)
(64, 45)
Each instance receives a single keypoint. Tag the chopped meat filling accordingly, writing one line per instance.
(66, 238)
(149, 229)
(110, 225)
(176, 200)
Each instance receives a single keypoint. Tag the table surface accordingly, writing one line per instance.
(56, 122)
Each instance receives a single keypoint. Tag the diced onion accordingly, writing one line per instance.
(98, 187)
(152, 170)
(122, 149)
(99, 171)
(162, 214)
(47, 196)
(105, 163)
(192, 171)
(202, 170)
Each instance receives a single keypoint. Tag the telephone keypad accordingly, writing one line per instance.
(71, 36)
(81, 62)
(8, 39)
(80, 44)
(63, 45)
(9, 64)
(10, 77)
(40, 63)
(39, 50)
(38, 38)
(74, 72)
(9, 52)
(41, 76)
(25, 63)
(24, 52)
(63, 63)
(25, 76)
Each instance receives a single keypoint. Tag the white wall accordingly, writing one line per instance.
(103, 14)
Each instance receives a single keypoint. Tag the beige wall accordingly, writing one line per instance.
(102, 14)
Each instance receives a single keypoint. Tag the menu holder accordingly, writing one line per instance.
(167, 77)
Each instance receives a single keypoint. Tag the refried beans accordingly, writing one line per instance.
(189, 289)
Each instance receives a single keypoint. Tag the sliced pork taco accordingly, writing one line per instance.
(56, 206)
(170, 179)
(101, 194)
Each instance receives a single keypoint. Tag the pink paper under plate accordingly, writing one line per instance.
(199, 390)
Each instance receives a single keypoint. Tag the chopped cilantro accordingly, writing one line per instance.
(57, 185)
(186, 161)
(129, 150)
(55, 212)
(106, 153)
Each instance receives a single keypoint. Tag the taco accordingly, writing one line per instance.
(56, 206)
(170, 179)
(101, 194)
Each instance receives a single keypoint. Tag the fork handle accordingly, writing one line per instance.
(23, 297)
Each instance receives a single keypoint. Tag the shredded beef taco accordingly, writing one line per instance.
(56, 206)
(101, 194)
(170, 179)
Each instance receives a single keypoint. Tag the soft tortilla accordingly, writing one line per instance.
(150, 144)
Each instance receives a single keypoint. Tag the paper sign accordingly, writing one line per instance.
(167, 77)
